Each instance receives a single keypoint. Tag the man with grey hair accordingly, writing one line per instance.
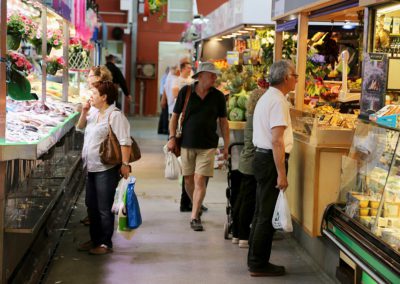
(273, 139)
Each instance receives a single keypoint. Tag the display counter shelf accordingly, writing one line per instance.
(365, 220)
(26, 210)
(34, 150)
(314, 169)
(236, 125)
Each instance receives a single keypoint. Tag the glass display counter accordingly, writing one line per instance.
(314, 167)
(365, 223)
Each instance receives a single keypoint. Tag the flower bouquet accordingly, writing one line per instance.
(19, 62)
(18, 67)
(54, 63)
(79, 54)
(316, 65)
(18, 27)
(54, 39)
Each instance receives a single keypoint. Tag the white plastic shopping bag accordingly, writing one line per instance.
(172, 166)
(122, 227)
(282, 218)
(119, 195)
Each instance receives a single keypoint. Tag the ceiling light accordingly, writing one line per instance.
(348, 25)
(250, 29)
(257, 26)
(243, 32)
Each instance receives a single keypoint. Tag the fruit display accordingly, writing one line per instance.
(221, 64)
(239, 81)
(237, 105)
(354, 85)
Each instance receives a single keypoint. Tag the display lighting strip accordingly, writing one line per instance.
(389, 9)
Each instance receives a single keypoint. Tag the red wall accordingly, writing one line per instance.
(150, 32)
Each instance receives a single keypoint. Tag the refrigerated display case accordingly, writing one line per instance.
(365, 224)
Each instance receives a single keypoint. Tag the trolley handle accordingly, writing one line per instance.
(234, 144)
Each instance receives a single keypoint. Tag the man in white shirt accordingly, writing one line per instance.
(171, 88)
(273, 139)
(185, 78)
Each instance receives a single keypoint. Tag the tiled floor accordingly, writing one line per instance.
(165, 249)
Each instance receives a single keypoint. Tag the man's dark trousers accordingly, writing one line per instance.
(261, 234)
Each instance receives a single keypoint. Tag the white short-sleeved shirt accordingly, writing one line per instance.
(95, 133)
(272, 110)
(184, 81)
(172, 81)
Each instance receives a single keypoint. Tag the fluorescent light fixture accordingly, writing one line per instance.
(243, 32)
(257, 26)
(250, 29)
(348, 25)
(389, 9)
(226, 36)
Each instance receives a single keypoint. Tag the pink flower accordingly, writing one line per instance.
(60, 61)
(19, 63)
(55, 42)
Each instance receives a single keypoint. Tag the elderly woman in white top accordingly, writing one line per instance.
(102, 179)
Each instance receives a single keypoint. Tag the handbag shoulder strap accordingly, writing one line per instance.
(109, 123)
(188, 93)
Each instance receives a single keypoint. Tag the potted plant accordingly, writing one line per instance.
(54, 39)
(18, 87)
(53, 64)
(18, 27)
(79, 52)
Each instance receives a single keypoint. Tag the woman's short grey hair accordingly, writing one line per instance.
(279, 70)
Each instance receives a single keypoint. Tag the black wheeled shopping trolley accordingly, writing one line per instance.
(232, 191)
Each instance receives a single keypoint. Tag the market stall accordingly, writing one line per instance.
(364, 222)
(326, 102)
(324, 116)
(39, 150)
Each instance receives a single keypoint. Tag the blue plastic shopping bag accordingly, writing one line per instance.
(134, 218)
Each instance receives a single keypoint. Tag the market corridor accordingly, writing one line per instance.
(165, 249)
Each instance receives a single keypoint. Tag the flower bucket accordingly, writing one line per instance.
(13, 41)
(51, 69)
(39, 49)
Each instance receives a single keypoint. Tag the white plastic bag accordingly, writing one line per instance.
(282, 218)
(122, 227)
(172, 166)
(119, 195)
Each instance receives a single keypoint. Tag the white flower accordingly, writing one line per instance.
(271, 40)
(286, 36)
(294, 37)
(263, 41)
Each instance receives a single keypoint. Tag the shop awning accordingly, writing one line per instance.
(334, 8)
(287, 26)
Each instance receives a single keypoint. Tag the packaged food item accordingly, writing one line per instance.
(364, 211)
(374, 204)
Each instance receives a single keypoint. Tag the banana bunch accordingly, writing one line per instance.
(354, 85)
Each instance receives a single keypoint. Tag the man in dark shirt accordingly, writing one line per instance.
(118, 78)
(206, 104)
